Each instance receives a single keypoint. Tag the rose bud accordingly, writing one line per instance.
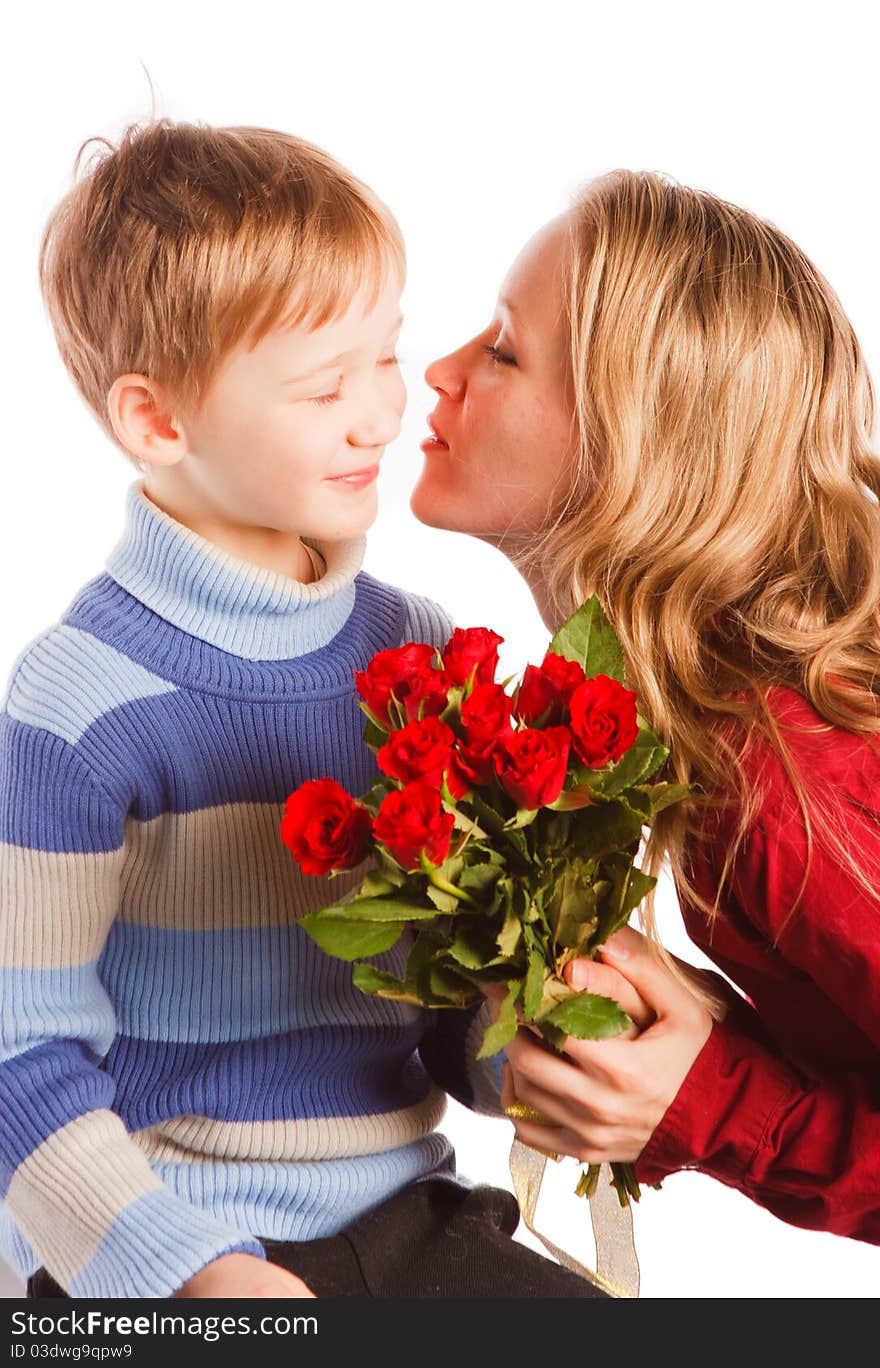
(325, 828)
(603, 720)
(420, 750)
(409, 674)
(547, 689)
(531, 765)
(411, 821)
(470, 649)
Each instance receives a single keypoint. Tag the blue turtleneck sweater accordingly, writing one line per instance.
(182, 1070)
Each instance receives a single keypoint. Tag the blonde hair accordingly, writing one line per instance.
(185, 239)
(725, 505)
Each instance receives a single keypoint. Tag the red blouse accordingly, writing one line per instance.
(783, 1102)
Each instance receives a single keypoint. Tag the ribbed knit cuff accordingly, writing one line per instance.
(155, 1245)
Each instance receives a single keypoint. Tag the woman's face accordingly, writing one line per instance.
(501, 454)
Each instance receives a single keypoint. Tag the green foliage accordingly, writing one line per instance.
(589, 638)
(504, 1028)
(589, 1017)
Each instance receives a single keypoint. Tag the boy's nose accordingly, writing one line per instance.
(376, 429)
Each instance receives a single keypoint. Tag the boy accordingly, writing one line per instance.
(195, 1100)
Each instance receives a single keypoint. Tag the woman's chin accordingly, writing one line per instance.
(436, 509)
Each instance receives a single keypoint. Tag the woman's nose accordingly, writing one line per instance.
(446, 376)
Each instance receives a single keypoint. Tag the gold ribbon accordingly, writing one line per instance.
(617, 1266)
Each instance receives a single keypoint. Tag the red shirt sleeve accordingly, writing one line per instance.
(801, 1139)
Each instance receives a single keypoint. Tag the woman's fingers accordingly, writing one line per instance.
(592, 976)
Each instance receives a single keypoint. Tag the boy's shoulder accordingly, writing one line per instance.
(65, 678)
(422, 619)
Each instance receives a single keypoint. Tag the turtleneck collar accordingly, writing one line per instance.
(237, 606)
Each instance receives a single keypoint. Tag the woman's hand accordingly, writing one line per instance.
(607, 1097)
(243, 1275)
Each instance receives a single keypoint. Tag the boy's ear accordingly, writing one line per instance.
(144, 422)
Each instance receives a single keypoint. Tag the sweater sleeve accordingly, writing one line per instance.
(452, 1039)
(75, 1185)
(806, 1147)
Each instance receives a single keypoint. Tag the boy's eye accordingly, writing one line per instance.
(498, 356)
(327, 398)
(390, 361)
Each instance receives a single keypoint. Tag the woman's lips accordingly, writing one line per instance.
(435, 443)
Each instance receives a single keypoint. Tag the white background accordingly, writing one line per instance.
(475, 121)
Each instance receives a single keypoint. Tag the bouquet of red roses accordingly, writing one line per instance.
(503, 831)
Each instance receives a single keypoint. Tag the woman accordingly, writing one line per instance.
(670, 409)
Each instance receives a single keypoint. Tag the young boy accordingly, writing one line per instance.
(195, 1100)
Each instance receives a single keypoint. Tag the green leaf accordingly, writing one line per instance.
(605, 828)
(555, 991)
(553, 1035)
(502, 1031)
(589, 638)
(629, 885)
(374, 728)
(524, 817)
(479, 878)
(509, 936)
(444, 902)
(374, 735)
(664, 795)
(575, 907)
(444, 983)
(470, 950)
(372, 980)
(535, 975)
(376, 910)
(587, 1016)
(450, 869)
(645, 755)
(350, 939)
(374, 885)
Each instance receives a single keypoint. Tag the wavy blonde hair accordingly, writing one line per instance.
(725, 505)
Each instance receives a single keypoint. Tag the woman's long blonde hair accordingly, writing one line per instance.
(725, 508)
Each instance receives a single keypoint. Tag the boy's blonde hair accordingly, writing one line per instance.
(725, 508)
(185, 239)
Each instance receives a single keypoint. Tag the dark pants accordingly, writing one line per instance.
(436, 1238)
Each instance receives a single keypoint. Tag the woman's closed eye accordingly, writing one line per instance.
(501, 357)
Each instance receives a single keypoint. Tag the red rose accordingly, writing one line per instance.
(531, 765)
(408, 673)
(603, 720)
(485, 715)
(470, 649)
(472, 765)
(325, 828)
(412, 820)
(547, 689)
(420, 750)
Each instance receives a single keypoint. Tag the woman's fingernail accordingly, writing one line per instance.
(580, 976)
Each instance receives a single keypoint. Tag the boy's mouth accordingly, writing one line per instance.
(356, 479)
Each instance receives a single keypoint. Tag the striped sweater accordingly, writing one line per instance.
(181, 1069)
